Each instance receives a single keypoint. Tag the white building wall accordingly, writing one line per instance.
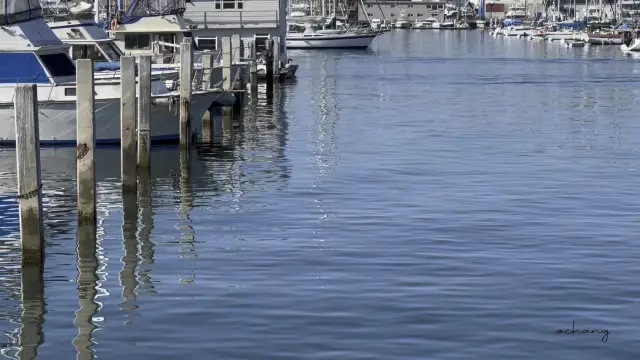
(256, 18)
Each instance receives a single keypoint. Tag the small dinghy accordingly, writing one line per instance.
(572, 43)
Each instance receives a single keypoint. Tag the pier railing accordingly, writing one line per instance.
(234, 19)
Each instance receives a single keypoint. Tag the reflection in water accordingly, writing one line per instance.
(33, 310)
(87, 290)
(129, 260)
(188, 250)
(146, 225)
(250, 159)
(324, 157)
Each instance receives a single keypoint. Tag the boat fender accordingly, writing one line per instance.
(114, 24)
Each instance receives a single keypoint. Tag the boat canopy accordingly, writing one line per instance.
(34, 68)
(15, 11)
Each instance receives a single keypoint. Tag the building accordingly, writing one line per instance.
(254, 20)
(390, 9)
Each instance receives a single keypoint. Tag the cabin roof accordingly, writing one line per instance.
(71, 31)
(152, 24)
(28, 35)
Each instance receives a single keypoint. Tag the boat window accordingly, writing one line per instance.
(208, 43)
(112, 51)
(70, 91)
(21, 68)
(137, 41)
(261, 42)
(88, 51)
(228, 4)
(167, 38)
(58, 64)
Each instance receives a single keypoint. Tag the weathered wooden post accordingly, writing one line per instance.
(269, 71)
(226, 64)
(207, 71)
(128, 167)
(29, 185)
(235, 48)
(253, 70)
(186, 76)
(144, 113)
(207, 77)
(276, 57)
(86, 138)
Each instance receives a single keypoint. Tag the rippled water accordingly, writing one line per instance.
(446, 195)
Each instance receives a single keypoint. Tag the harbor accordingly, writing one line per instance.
(263, 179)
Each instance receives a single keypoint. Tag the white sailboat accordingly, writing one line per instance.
(312, 39)
(335, 38)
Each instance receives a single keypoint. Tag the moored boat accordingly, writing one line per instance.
(31, 53)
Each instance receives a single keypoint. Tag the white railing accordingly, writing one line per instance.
(237, 17)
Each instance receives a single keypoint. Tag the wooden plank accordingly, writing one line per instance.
(29, 185)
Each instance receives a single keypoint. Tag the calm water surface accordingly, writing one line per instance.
(446, 195)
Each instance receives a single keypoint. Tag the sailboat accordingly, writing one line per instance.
(336, 38)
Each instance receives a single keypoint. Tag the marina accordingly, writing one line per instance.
(259, 179)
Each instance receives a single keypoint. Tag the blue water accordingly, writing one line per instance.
(446, 195)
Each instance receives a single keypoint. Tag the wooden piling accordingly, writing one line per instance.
(86, 138)
(144, 113)
(129, 172)
(269, 71)
(235, 48)
(253, 70)
(226, 64)
(207, 71)
(186, 75)
(276, 57)
(29, 185)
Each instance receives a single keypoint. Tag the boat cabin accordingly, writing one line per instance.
(144, 35)
(87, 41)
(41, 59)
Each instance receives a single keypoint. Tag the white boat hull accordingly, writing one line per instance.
(356, 41)
(597, 40)
(57, 119)
(557, 36)
(634, 46)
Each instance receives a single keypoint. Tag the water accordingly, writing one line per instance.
(446, 195)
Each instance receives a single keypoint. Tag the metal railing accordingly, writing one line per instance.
(234, 17)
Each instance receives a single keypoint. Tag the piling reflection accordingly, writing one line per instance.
(188, 249)
(87, 279)
(129, 260)
(145, 284)
(33, 310)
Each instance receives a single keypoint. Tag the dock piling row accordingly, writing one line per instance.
(29, 184)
